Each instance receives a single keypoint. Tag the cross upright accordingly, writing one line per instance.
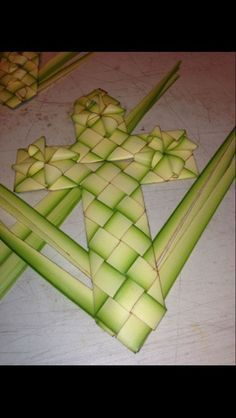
(110, 165)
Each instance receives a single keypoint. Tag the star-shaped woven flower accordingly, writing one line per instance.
(42, 167)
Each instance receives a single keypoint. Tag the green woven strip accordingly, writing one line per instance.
(18, 77)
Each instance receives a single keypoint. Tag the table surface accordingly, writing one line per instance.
(38, 325)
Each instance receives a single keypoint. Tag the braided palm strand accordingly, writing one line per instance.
(18, 77)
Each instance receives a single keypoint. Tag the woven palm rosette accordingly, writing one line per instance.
(18, 77)
(109, 165)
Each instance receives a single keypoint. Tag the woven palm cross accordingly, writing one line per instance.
(110, 165)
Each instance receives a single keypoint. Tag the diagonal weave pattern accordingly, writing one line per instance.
(18, 77)
(118, 238)
(110, 165)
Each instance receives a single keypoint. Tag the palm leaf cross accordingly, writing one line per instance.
(110, 165)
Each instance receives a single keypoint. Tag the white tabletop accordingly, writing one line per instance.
(38, 325)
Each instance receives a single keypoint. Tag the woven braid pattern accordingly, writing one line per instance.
(18, 77)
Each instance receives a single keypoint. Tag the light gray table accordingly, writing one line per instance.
(38, 325)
